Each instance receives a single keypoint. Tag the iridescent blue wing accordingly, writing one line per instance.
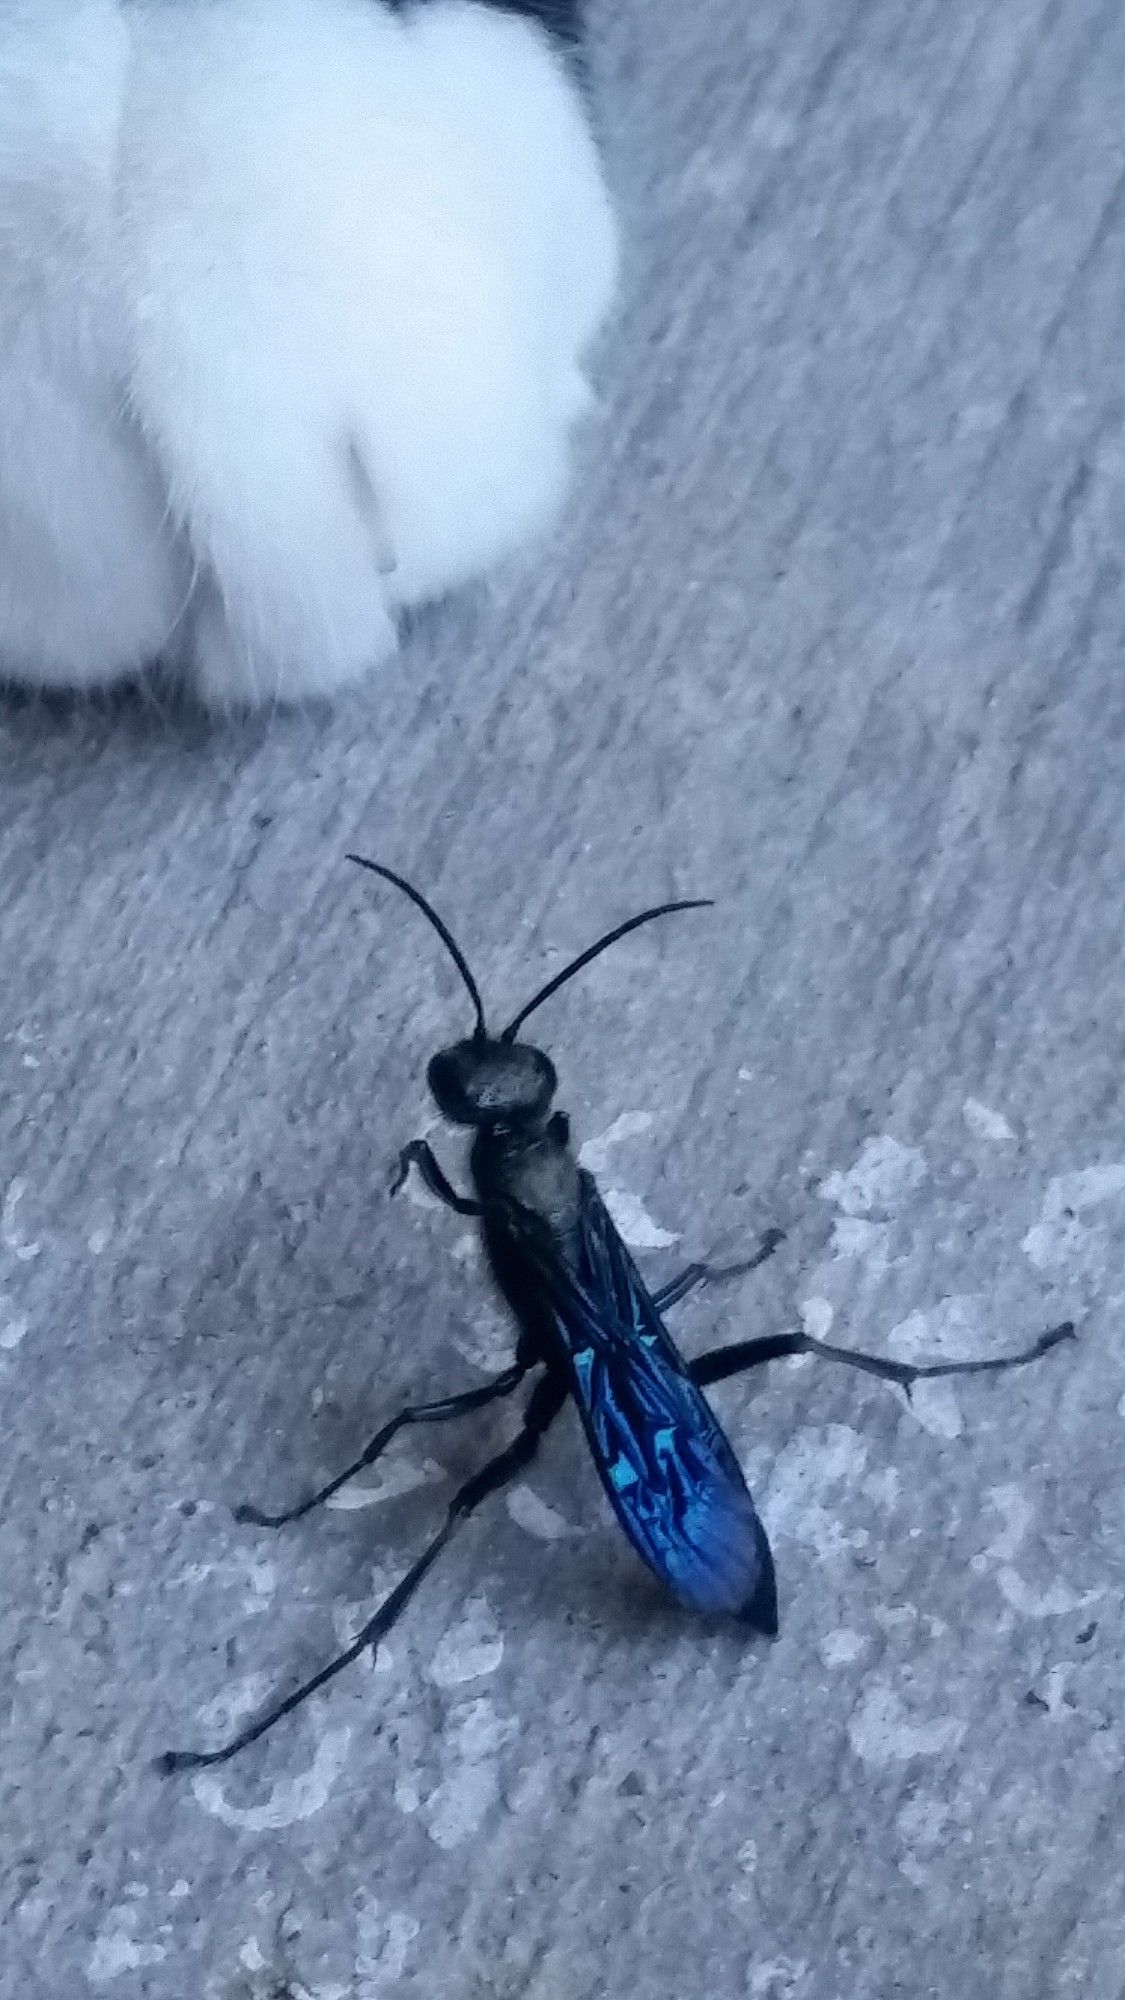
(668, 1469)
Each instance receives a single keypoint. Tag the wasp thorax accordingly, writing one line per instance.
(479, 1082)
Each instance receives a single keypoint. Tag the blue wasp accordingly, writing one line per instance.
(591, 1331)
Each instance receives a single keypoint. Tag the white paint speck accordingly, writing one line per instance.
(116, 1950)
(778, 1979)
(1058, 1242)
(257, 1575)
(805, 1484)
(987, 1124)
(272, 1976)
(223, 1713)
(290, 1799)
(923, 1826)
(467, 1793)
(1057, 1601)
(895, 1617)
(32, 1914)
(935, 1407)
(635, 1223)
(474, 1647)
(745, 1076)
(1088, 1188)
(11, 1238)
(397, 1476)
(594, 1155)
(180, 1888)
(842, 1647)
(1061, 1236)
(862, 1241)
(883, 1486)
(1054, 1687)
(262, 1578)
(950, 1331)
(13, 1331)
(536, 1518)
(384, 1941)
(884, 1172)
(923, 1822)
(816, 1317)
(628, 1211)
(742, 1888)
(1017, 1514)
(882, 1730)
(488, 1341)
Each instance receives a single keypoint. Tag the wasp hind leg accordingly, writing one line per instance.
(544, 1404)
(721, 1362)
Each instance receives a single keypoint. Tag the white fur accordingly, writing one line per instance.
(293, 301)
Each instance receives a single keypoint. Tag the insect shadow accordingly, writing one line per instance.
(588, 1330)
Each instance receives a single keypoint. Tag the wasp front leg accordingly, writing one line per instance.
(421, 1155)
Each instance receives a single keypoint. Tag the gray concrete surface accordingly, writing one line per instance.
(834, 632)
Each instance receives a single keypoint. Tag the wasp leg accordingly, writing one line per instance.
(419, 1154)
(721, 1362)
(712, 1274)
(415, 1413)
(544, 1404)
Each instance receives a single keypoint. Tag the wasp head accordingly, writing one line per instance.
(493, 1081)
(484, 1082)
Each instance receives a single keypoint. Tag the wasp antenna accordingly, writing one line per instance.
(446, 935)
(594, 951)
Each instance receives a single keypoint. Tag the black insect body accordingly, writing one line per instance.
(670, 1474)
(589, 1324)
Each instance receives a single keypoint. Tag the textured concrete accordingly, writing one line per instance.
(834, 631)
